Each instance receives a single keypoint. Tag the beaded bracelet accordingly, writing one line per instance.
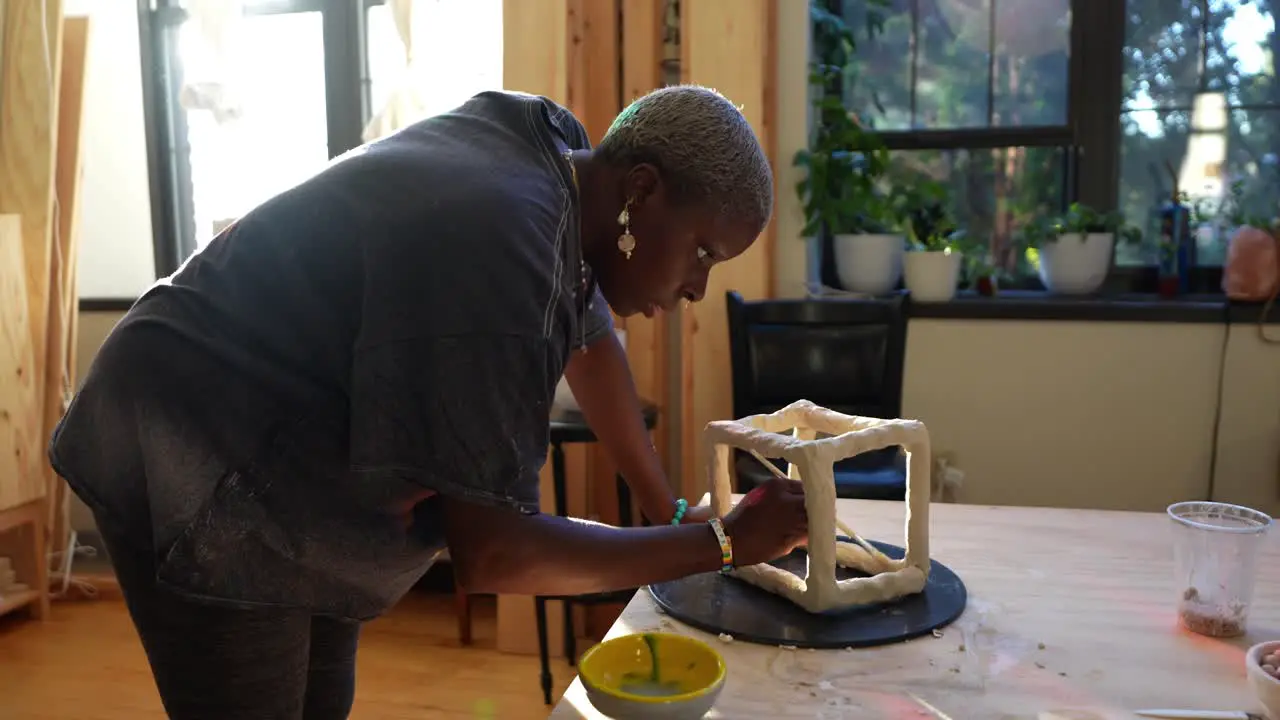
(726, 545)
(682, 506)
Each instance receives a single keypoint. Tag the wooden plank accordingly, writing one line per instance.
(28, 144)
(21, 459)
(63, 297)
(592, 96)
(646, 337)
(535, 47)
(725, 45)
(535, 59)
(593, 62)
(641, 47)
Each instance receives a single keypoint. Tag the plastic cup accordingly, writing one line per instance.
(1215, 557)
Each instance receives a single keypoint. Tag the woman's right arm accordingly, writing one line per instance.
(498, 550)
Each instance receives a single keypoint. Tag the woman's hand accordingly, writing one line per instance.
(768, 523)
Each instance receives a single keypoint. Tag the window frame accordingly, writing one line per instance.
(1090, 137)
(347, 102)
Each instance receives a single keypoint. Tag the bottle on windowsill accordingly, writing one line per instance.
(1175, 242)
(1177, 249)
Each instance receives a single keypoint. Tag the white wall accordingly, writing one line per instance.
(116, 259)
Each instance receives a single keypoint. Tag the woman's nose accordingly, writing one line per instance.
(696, 290)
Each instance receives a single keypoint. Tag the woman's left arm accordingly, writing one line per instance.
(602, 384)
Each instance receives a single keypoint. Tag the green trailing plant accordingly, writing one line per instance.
(1078, 219)
(844, 159)
(940, 241)
(921, 212)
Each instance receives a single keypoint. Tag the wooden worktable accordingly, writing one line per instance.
(1070, 616)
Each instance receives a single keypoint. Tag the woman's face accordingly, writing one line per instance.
(676, 247)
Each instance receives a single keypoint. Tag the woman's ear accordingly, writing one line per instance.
(642, 183)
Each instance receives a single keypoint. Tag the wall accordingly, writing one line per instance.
(1108, 415)
(1105, 415)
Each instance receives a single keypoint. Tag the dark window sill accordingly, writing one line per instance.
(106, 304)
(1122, 307)
(1020, 305)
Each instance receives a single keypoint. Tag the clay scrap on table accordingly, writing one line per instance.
(810, 459)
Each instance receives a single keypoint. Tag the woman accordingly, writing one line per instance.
(279, 439)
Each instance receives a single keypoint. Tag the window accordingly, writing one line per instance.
(246, 99)
(948, 64)
(1201, 104)
(237, 115)
(975, 94)
(1021, 107)
(269, 132)
(457, 52)
(993, 191)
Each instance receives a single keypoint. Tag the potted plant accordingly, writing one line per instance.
(983, 274)
(932, 266)
(1074, 252)
(843, 163)
(869, 249)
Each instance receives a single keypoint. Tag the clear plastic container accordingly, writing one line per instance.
(1215, 556)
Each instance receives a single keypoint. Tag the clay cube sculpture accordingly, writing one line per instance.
(810, 459)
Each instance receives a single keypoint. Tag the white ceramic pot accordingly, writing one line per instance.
(564, 398)
(932, 276)
(1075, 263)
(870, 264)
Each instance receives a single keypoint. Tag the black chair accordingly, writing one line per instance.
(844, 354)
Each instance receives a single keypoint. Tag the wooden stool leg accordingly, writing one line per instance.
(462, 606)
(40, 543)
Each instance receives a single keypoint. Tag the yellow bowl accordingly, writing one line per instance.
(619, 677)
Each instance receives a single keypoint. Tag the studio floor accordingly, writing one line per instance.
(85, 663)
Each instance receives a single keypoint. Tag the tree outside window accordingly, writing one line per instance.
(1201, 104)
(973, 94)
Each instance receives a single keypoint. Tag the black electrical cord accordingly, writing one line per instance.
(1217, 408)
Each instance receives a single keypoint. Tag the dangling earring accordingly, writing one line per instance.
(626, 241)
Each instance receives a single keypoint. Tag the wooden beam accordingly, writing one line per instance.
(646, 337)
(60, 377)
(641, 47)
(535, 47)
(594, 91)
(726, 45)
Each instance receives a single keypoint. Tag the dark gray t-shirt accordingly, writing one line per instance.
(276, 411)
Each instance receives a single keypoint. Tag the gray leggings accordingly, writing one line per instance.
(219, 663)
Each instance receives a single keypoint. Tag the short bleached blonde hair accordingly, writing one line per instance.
(702, 145)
